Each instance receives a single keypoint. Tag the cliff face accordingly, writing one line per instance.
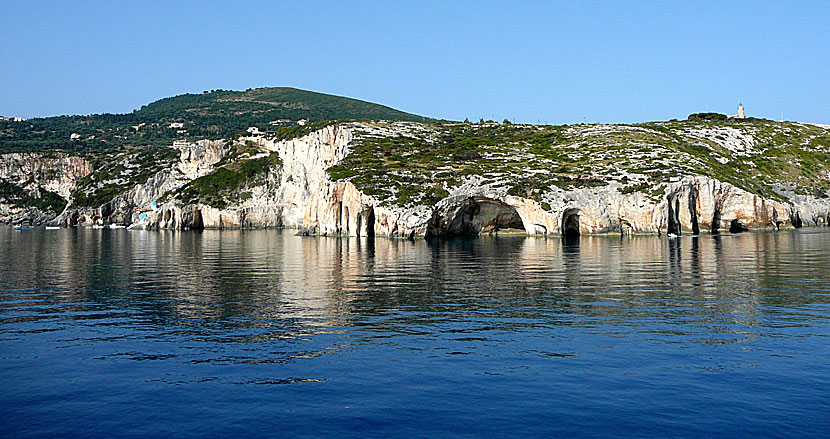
(296, 194)
(296, 190)
(29, 178)
(693, 205)
(195, 160)
(302, 195)
(56, 173)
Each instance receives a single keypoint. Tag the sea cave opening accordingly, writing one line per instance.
(198, 222)
(736, 226)
(479, 216)
(370, 223)
(570, 223)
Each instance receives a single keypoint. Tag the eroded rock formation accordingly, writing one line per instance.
(300, 194)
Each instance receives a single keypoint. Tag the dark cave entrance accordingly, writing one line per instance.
(485, 216)
(796, 220)
(198, 222)
(570, 223)
(370, 223)
(736, 226)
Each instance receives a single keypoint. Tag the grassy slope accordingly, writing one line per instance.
(214, 114)
(228, 183)
(118, 171)
(406, 164)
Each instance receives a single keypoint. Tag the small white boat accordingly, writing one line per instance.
(117, 226)
(97, 226)
(52, 228)
(671, 236)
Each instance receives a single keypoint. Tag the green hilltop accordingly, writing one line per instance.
(262, 105)
(211, 114)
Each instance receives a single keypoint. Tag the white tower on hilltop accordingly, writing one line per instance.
(741, 114)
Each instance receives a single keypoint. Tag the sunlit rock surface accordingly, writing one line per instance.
(299, 193)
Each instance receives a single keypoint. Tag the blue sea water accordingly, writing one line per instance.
(116, 333)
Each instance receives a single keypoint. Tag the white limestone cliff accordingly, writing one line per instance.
(57, 173)
(300, 194)
(195, 160)
(35, 173)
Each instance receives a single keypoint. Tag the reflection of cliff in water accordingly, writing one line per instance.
(307, 283)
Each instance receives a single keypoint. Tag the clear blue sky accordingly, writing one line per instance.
(556, 62)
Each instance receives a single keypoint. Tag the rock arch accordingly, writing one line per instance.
(193, 220)
(483, 215)
(736, 226)
(364, 221)
(674, 225)
(717, 216)
(345, 220)
(370, 223)
(796, 220)
(626, 228)
(693, 202)
(570, 223)
(776, 222)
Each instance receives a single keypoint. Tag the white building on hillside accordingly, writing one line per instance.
(740, 114)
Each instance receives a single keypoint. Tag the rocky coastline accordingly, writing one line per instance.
(299, 193)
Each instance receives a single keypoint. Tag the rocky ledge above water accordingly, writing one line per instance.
(411, 179)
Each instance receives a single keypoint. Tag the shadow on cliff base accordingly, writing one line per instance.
(477, 216)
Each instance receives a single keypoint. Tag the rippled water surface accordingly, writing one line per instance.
(122, 333)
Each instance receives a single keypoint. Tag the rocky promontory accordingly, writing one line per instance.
(410, 179)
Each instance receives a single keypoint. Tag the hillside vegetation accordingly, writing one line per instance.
(403, 163)
(227, 184)
(211, 114)
(405, 160)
